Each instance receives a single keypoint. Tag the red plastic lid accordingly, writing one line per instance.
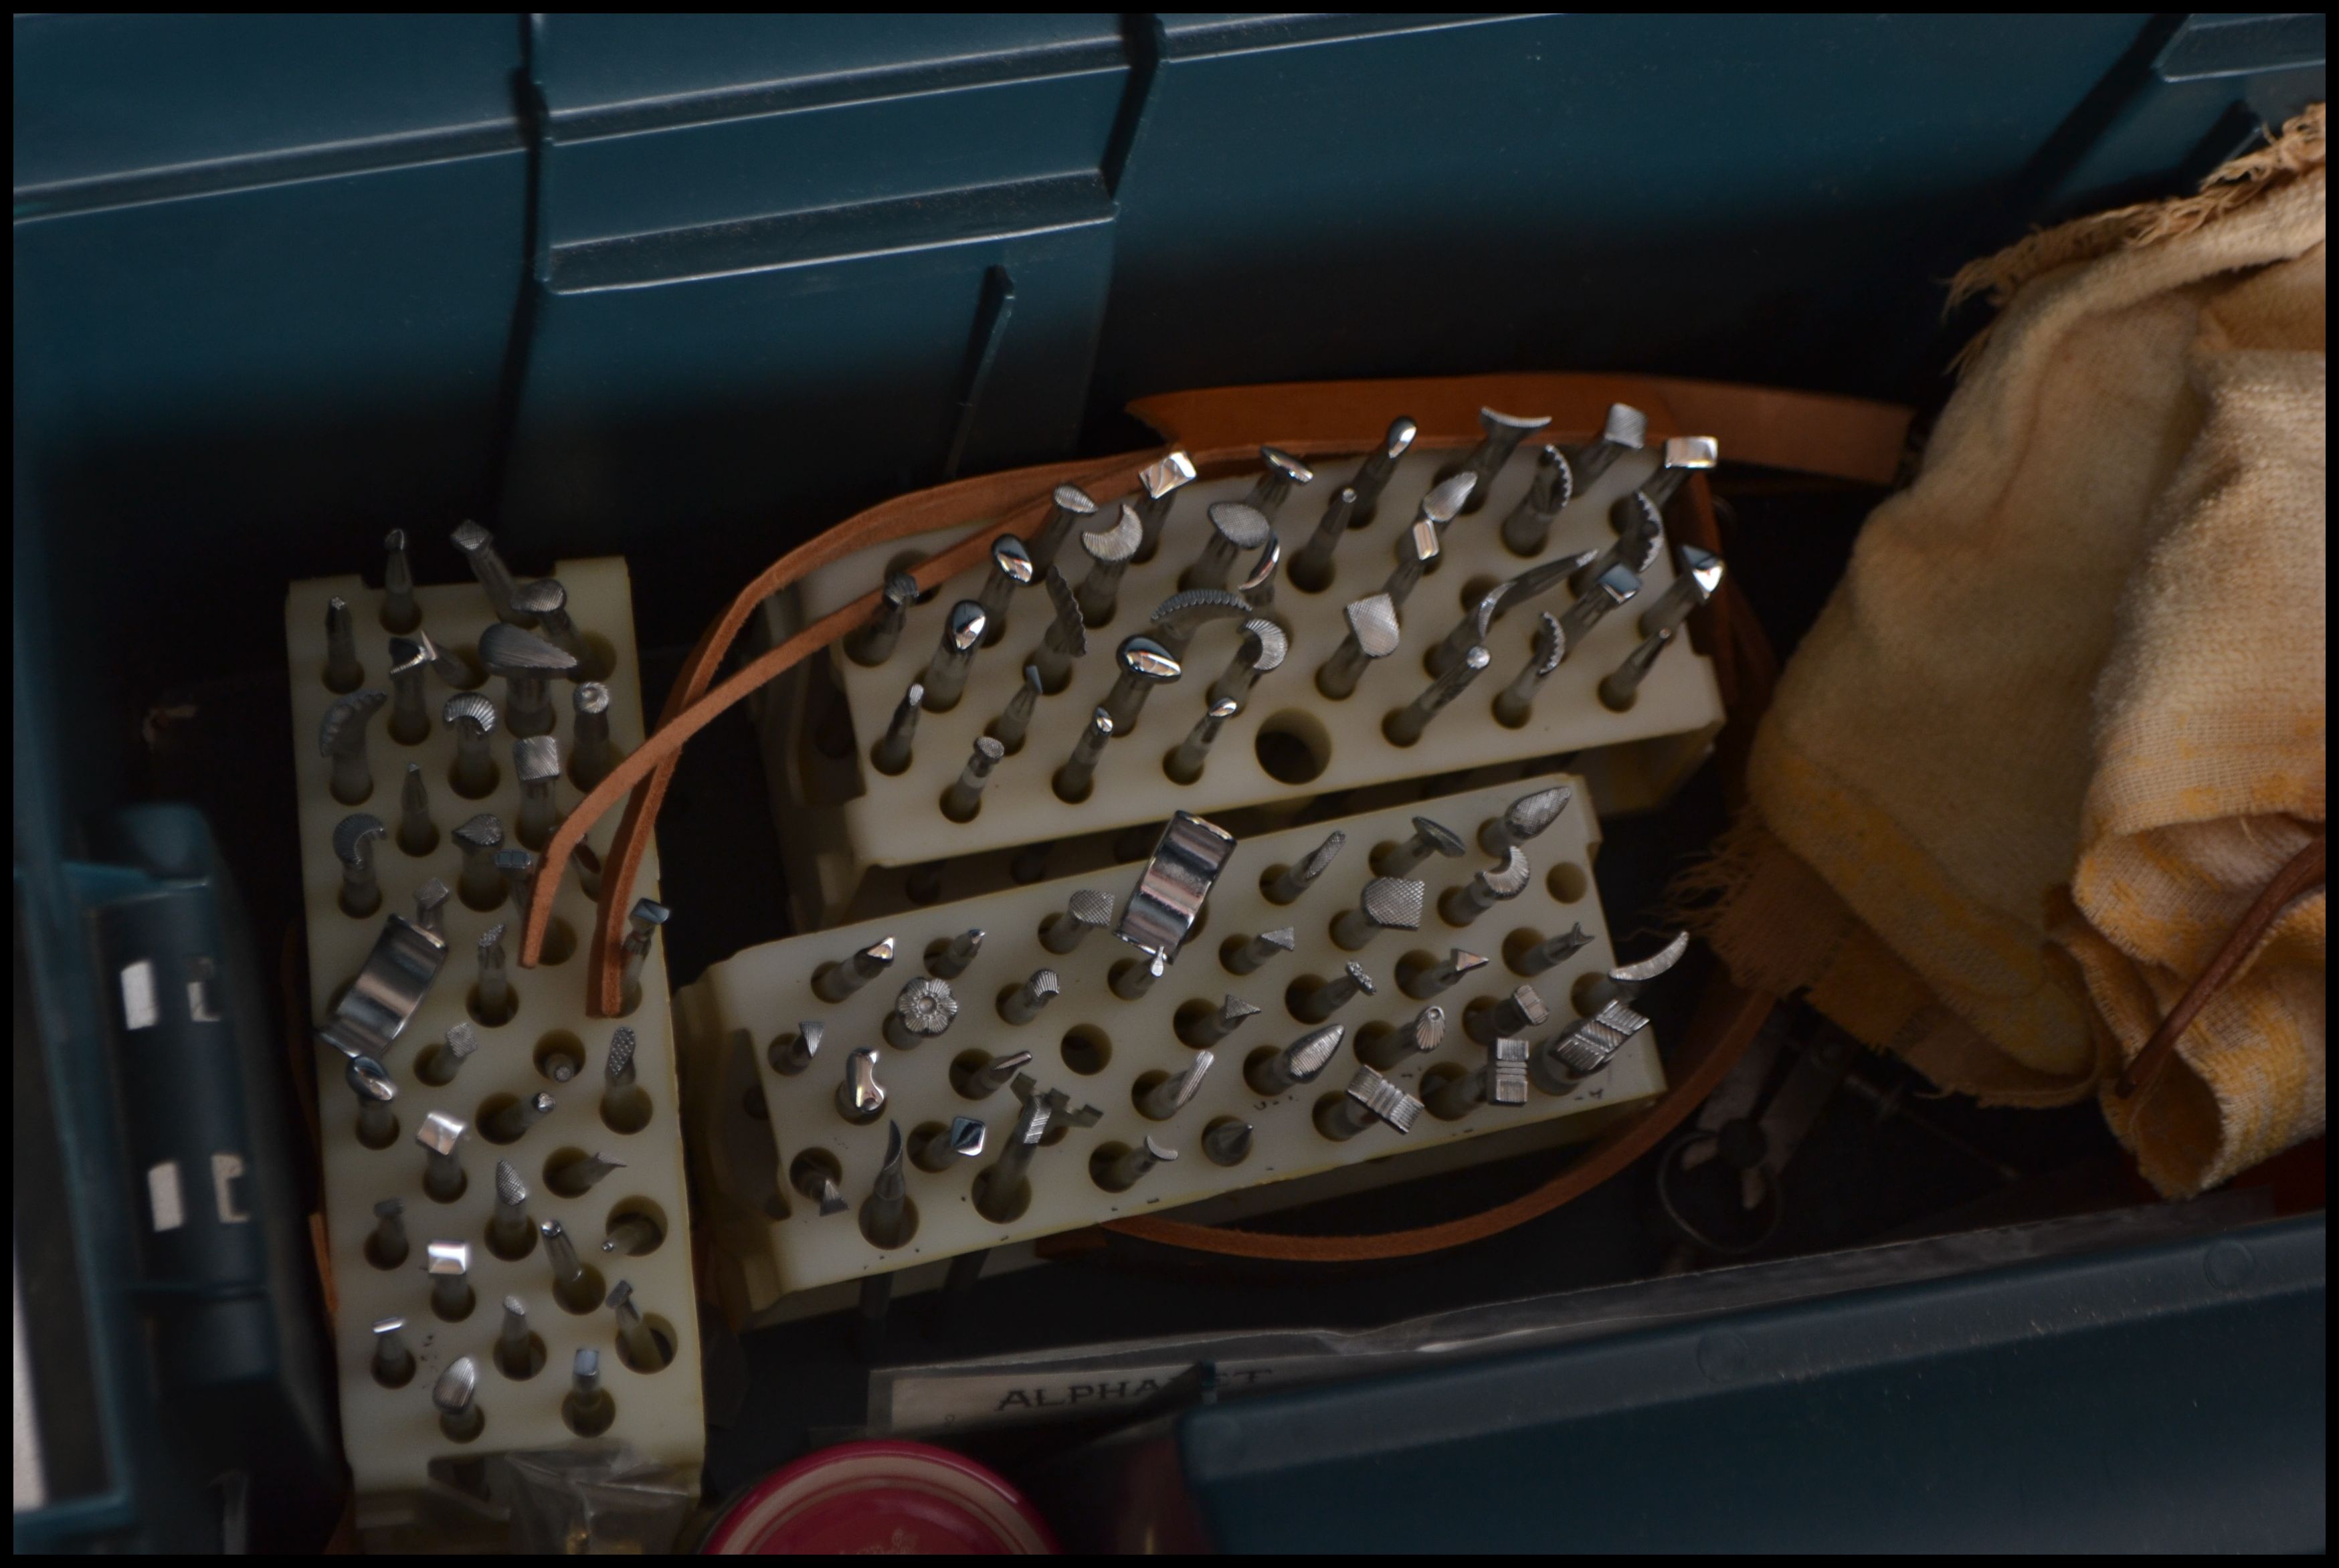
(882, 1497)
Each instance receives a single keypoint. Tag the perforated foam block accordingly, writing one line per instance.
(393, 1434)
(1098, 1047)
(1290, 741)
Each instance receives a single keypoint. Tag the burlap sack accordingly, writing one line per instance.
(2064, 715)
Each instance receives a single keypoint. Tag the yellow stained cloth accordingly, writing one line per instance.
(2063, 717)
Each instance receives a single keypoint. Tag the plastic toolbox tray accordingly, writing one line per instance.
(275, 269)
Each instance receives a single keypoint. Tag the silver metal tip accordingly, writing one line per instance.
(1066, 602)
(1550, 643)
(1313, 1052)
(1372, 621)
(1490, 603)
(1008, 555)
(1244, 527)
(471, 708)
(1509, 879)
(351, 834)
(537, 759)
(1438, 836)
(966, 623)
(506, 650)
(1321, 856)
(439, 1133)
(1118, 542)
(1161, 478)
(1655, 964)
(1625, 426)
(1444, 502)
(1619, 582)
(1702, 568)
(1263, 570)
(1529, 815)
(1287, 466)
(345, 720)
(1274, 644)
(453, 1391)
(1394, 903)
(1692, 452)
(1142, 656)
(1422, 539)
(926, 1005)
(1191, 608)
(370, 1079)
(544, 596)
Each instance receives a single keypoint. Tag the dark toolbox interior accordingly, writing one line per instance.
(691, 290)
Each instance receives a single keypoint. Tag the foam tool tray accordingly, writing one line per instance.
(1103, 1051)
(393, 1434)
(1289, 740)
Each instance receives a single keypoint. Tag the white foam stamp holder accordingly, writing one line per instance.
(1289, 740)
(548, 1045)
(1099, 1048)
